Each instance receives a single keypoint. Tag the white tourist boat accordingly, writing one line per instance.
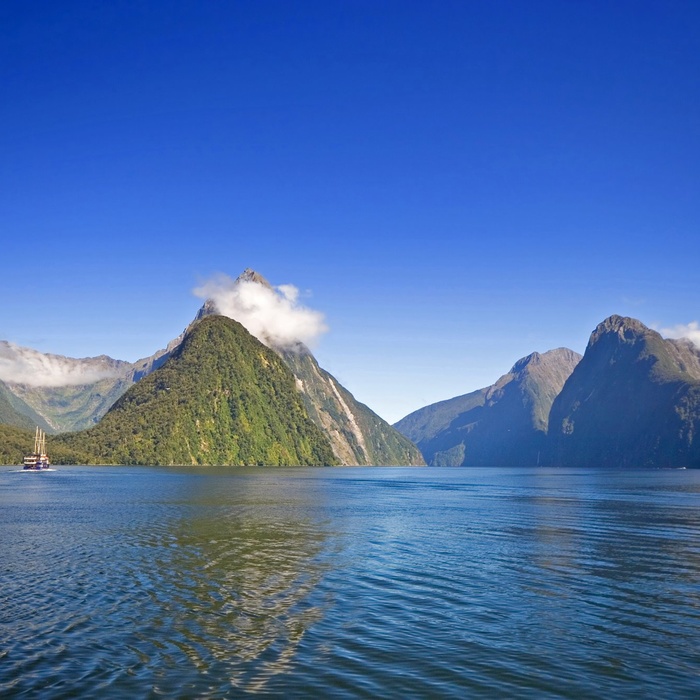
(38, 459)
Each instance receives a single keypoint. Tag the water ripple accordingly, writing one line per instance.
(356, 583)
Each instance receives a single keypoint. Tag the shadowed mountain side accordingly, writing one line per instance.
(222, 398)
(501, 425)
(633, 401)
(357, 434)
(14, 411)
(73, 407)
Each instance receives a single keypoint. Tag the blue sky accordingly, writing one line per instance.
(453, 184)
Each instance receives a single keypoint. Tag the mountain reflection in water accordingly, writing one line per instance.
(239, 579)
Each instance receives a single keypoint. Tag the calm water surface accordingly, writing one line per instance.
(357, 583)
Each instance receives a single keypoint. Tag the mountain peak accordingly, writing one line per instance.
(221, 398)
(551, 358)
(250, 275)
(625, 328)
(633, 400)
(210, 308)
(531, 359)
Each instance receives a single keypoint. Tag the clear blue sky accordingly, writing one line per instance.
(458, 184)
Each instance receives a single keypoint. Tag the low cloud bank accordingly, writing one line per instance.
(272, 314)
(691, 331)
(26, 366)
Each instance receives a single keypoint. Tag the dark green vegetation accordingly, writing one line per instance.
(502, 425)
(15, 443)
(222, 398)
(357, 434)
(633, 401)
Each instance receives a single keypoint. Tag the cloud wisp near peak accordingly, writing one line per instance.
(274, 315)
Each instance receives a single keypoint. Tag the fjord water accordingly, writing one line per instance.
(369, 582)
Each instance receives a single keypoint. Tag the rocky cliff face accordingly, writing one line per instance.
(357, 434)
(501, 425)
(633, 401)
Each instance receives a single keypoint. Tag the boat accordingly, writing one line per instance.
(37, 460)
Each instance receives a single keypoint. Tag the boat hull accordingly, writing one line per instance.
(35, 466)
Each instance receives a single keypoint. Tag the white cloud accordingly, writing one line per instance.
(689, 330)
(26, 366)
(273, 315)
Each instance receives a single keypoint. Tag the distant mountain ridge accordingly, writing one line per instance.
(504, 424)
(632, 400)
(14, 412)
(76, 405)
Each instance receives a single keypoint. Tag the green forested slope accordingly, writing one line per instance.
(16, 442)
(357, 435)
(222, 398)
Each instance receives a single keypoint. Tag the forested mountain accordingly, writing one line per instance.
(633, 401)
(16, 442)
(357, 435)
(222, 397)
(501, 425)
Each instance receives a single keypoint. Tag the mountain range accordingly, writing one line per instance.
(67, 393)
(13, 411)
(216, 394)
(49, 392)
(503, 424)
(632, 400)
